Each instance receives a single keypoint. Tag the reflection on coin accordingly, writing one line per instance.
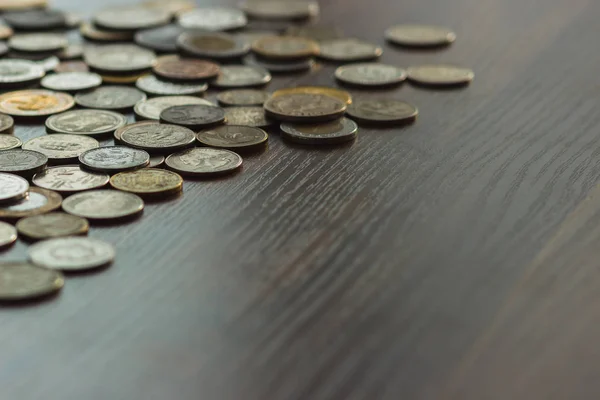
(71, 81)
(86, 122)
(232, 76)
(318, 33)
(52, 225)
(7, 124)
(110, 98)
(19, 71)
(349, 50)
(118, 132)
(71, 253)
(119, 58)
(420, 35)
(247, 116)
(156, 161)
(233, 137)
(39, 201)
(162, 39)
(103, 204)
(157, 138)
(148, 182)
(152, 108)
(71, 66)
(8, 142)
(339, 131)
(219, 46)
(213, 19)
(36, 19)
(370, 74)
(22, 162)
(243, 97)
(24, 281)
(91, 32)
(304, 107)
(382, 111)
(440, 75)
(275, 67)
(131, 18)
(8, 235)
(38, 42)
(193, 116)
(185, 69)
(285, 47)
(328, 91)
(204, 161)
(69, 179)
(35, 103)
(61, 147)
(12, 188)
(154, 86)
(114, 159)
(286, 10)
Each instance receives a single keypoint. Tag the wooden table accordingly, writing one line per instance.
(453, 259)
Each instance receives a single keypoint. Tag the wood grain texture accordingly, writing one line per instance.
(453, 259)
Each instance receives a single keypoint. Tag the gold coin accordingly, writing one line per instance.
(52, 225)
(34, 103)
(337, 93)
(122, 79)
(440, 75)
(39, 201)
(285, 47)
(148, 182)
(14, 5)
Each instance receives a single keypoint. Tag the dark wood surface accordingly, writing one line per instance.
(453, 259)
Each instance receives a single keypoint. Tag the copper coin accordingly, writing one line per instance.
(185, 69)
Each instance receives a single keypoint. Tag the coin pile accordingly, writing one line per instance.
(157, 59)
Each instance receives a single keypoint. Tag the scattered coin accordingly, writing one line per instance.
(103, 205)
(275, 67)
(370, 74)
(38, 42)
(185, 69)
(72, 81)
(8, 235)
(318, 33)
(71, 52)
(123, 79)
(440, 75)
(8, 142)
(148, 182)
(220, 46)
(52, 225)
(243, 97)
(39, 201)
(35, 19)
(24, 163)
(23, 281)
(131, 18)
(61, 147)
(5, 31)
(118, 132)
(156, 161)
(241, 76)
(162, 39)
(113, 159)
(234, 138)
(382, 111)
(110, 98)
(193, 116)
(287, 10)
(304, 107)
(72, 66)
(86, 122)
(7, 124)
(349, 50)
(119, 58)
(420, 35)
(328, 91)
(247, 116)
(152, 108)
(154, 86)
(285, 47)
(35, 102)
(156, 138)
(213, 19)
(339, 131)
(19, 72)
(12, 188)
(91, 32)
(69, 179)
(71, 253)
(204, 161)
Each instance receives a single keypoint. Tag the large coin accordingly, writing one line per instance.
(213, 19)
(8, 142)
(304, 107)
(14, 72)
(152, 108)
(148, 182)
(349, 50)
(219, 46)
(34, 103)
(52, 225)
(243, 97)
(247, 116)
(232, 76)
(275, 67)
(120, 58)
(36, 19)
(113, 159)
(285, 47)
(420, 35)
(39, 201)
(382, 111)
(162, 39)
(440, 75)
(204, 161)
(72, 253)
(157, 138)
(233, 137)
(110, 98)
(194, 116)
(38, 42)
(23, 281)
(8, 235)
(70, 179)
(86, 122)
(72, 81)
(334, 132)
(185, 69)
(91, 32)
(7, 124)
(154, 86)
(61, 147)
(25, 163)
(131, 18)
(281, 10)
(328, 91)
(103, 205)
(370, 74)
(12, 188)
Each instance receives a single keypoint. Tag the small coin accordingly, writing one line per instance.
(71, 52)
(113, 159)
(332, 92)
(70, 179)
(19, 72)
(148, 182)
(275, 67)
(24, 281)
(8, 142)
(204, 161)
(286, 10)
(39, 201)
(162, 39)
(233, 137)
(440, 75)
(118, 132)
(304, 107)
(131, 18)
(103, 204)
(52, 225)
(349, 50)
(243, 97)
(35, 103)
(213, 19)
(5, 31)
(285, 47)
(193, 116)
(61, 147)
(339, 131)
(36, 19)
(22, 162)
(7, 124)
(119, 58)
(71, 66)
(12, 188)
(8, 235)
(318, 33)
(382, 111)
(91, 32)
(71, 253)
(154, 86)
(38, 42)
(370, 74)
(110, 98)
(86, 122)
(156, 161)
(72, 81)
(220, 46)
(247, 116)
(185, 69)
(420, 35)
(157, 138)
(231, 76)
(152, 108)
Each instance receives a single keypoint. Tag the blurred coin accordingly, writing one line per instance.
(304, 107)
(131, 18)
(276, 67)
(49, 63)
(36, 19)
(318, 33)
(275, 9)
(251, 36)
(12, 188)
(247, 116)
(103, 205)
(243, 97)
(72, 51)
(120, 58)
(69, 179)
(61, 147)
(156, 161)
(118, 132)
(370, 74)
(204, 161)
(148, 182)
(193, 116)
(185, 69)
(14, 5)
(162, 39)
(8, 235)
(285, 47)
(241, 76)
(34, 103)
(91, 32)
(382, 111)
(72, 66)
(25, 163)
(420, 35)
(113, 159)
(39, 201)
(339, 131)
(19, 72)
(23, 281)
(38, 42)
(86, 122)
(7, 124)
(233, 137)
(71, 253)
(152, 85)
(73, 20)
(349, 50)
(328, 91)
(174, 7)
(71, 81)
(213, 19)
(157, 138)
(220, 46)
(8, 142)
(110, 98)
(122, 79)
(3, 49)
(152, 108)
(5, 31)
(274, 26)
(52, 225)
(440, 75)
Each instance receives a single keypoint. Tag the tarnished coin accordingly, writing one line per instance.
(52, 225)
(71, 253)
(232, 76)
(328, 91)
(8, 142)
(193, 116)
(110, 98)
(349, 50)
(86, 122)
(8, 235)
(7, 124)
(275, 67)
(213, 19)
(185, 69)
(38, 42)
(25, 163)
(154, 86)
(14, 72)
(131, 18)
(156, 161)
(204, 161)
(113, 159)
(304, 107)
(247, 116)
(162, 39)
(275, 9)
(71, 81)
(243, 97)
(23, 281)
(339, 131)
(61, 147)
(370, 74)
(234, 137)
(440, 75)
(420, 35)
(103, 205)
(39, 201)
(152, 108)
(70, 179)
(285, 47)
(148, 182)
(5, 31)
(157, 138)
(12, 188)
(220, 46)
(36, 19)
(382, 111)
(120, 58)
(91, 32)
(34, 103)
(71, 52)
(318, 33)
(72, 66)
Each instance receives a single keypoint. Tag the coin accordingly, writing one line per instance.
(7, 124)
(52, 225)
(19, 72)
(148, 182)
(35, 19)
(123, 79)
(420, 35)
(247, 116)
(49, 63)
(71, 253)
(304, 107)
(72, 51)
(275, 9)
(114, 159)
(174, 7)
(12, 188)
(285, 47)
(39, 201)
(349, 50)
(241, 76)
(156, 138)
(213, 19)
(162, 39)
(72, 81)
(185, 69)
(8, 142)
(318, 33)
(8, 235)
(251, 36)
(332, 92)
(440, 75)
(86, 122)
(3, 48)
(156, 161)
(204, 161)
(339, 131)
(220, 46)
(370, 74)
(118, 132)
(382, 111)
(61, 147)
(120, 58)
(90, 32)
(22, 162)
(110, 98)
(152, 108)
(275, 67)
(154, 86)
(38, 42)
(243, 97)
(71, 66)
(23, 281)
(103, 205)
(193, 116)
(70, 179)
(131, 18)
(233, 137)
(5, 31)
(35, 103)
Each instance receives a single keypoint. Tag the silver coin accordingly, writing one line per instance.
(71, 253)
(349, 50)
(156, 161)
(38, 42)
(70, 179)
(382, 111)
(204, 161)
(243, 97)
(103, 205)
(157, 137)
(131, 18)
(124, 58)
(19, 71)
(280, 67)
(71, 81)
(7, 124)
(86, 122)
(334, 132)
(8, 142)
(114, 159)
(231, 76)
(440, 75)
(110, 98)
(154, 86)
(281, 10)
(370, 74)
(8, 235)
(247, 116)
(24, 281)
(61, 147)
(420, 35)
(213, 19)
(12, 188)
(152, 108)
(219, 46)
(22, 162)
